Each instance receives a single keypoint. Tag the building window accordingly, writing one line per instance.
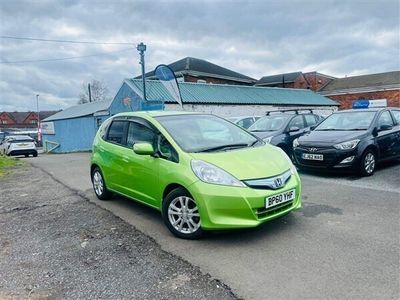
(4, 122)
(33, 121)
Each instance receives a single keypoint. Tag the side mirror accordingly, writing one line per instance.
(143, 149)
(385, 127)
(294, 129)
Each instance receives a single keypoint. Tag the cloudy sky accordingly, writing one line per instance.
(256, 38)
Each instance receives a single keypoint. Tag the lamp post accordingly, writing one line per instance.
(38, 118)
(141, 48)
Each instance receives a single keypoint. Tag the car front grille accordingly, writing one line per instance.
(267, 212)
(271, 183)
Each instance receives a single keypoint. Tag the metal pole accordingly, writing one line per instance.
(90, 93)
(38, 118)
(141, 48)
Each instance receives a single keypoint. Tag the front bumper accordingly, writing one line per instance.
(333, 158)
(225, 207)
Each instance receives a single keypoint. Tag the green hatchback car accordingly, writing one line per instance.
(199, 170)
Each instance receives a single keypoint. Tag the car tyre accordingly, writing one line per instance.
(181, 215)
(367, 163)
(34, 154)
(99, 185)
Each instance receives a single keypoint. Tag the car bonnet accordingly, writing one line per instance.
(248, 163)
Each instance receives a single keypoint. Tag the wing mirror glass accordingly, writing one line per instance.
(143, 149)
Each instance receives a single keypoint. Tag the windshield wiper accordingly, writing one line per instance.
(354, 129)
(223, 147)
(253, 143)
(331, 129)
(261, 130)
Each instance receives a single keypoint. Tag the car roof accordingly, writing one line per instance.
(156, 113)
(373, 109)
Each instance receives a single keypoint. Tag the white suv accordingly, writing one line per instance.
(18, 145)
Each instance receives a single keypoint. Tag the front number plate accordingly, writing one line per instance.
(280, 198)
(313, 156)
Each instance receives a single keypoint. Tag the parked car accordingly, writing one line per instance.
(282, 127)
(244, 121)
(201, 171)
(355, 139)
(18, 145)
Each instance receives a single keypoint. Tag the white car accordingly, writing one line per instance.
(18, 145)
(243, 121)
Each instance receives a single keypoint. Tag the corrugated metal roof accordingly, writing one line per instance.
(197, 93)
(80, 110)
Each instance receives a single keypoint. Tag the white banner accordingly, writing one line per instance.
(47, 128)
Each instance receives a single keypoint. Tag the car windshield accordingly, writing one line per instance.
(270, 123)
(356, 120)
(206, 133)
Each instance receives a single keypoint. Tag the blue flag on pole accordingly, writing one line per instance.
(168, 79)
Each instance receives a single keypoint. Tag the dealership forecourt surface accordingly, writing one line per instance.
(343, 243)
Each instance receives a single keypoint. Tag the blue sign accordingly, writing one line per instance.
(362, 103)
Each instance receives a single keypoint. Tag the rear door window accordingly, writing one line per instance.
(117, 132)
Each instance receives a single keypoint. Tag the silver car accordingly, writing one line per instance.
(18, 145)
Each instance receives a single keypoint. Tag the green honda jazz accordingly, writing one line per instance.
(200, 171)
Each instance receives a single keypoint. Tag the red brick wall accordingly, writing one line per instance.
(299, 83)
(316, 81)
(346, 100)
(32, 117)
(189, 78)
(4, 117)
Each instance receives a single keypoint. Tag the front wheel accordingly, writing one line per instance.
(99, 185)
(181, 215)
(368, 163)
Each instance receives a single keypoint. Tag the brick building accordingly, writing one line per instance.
(369, 87)
(192, 69)
(15, 120)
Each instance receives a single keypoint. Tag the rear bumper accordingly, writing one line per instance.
(23, 152)
(224, 207)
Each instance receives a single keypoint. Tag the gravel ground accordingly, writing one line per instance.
(56, 244)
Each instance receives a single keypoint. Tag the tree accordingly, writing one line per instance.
(99, 92)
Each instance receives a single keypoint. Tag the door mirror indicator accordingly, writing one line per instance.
(143, 149)
(294, 129)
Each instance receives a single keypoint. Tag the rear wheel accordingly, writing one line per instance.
(368, 163)
(35, 154)
(99, 185)
(181, 215)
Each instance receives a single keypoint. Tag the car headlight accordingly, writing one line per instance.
(347, 145)
(296, 143)
(212, 174)
(268, 139)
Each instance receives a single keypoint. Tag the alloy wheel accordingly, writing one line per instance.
(369, 163)
(183, 215)
(98, 183)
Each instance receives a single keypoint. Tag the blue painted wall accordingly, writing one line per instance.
(77, 134)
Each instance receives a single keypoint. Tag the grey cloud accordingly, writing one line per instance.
(256, 38)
